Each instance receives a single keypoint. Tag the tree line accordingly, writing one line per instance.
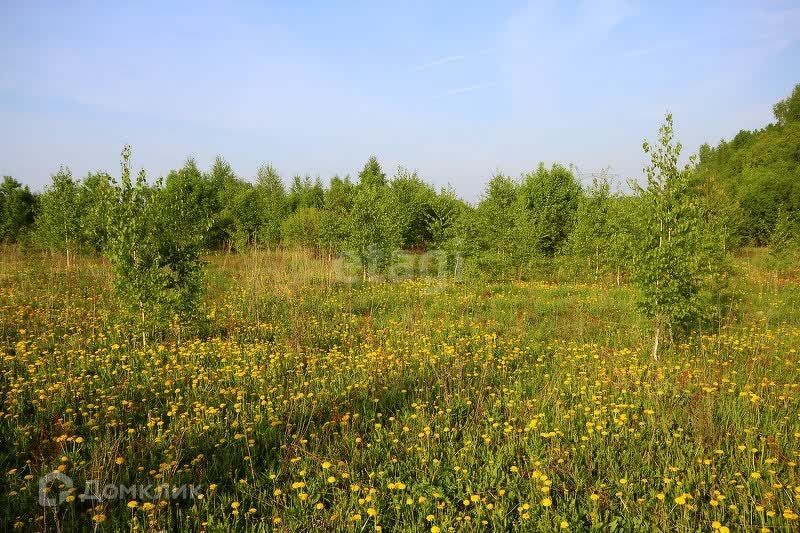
(671, 235)
(754, 179)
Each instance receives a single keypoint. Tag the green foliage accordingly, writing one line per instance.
(449, 229)
(550, 197)
(372, 175)
(623, 228)
(334, 229)
(17, 206)
(225, 186)
(154, 247)
(492, 230)
(517, 224)
(339, 196)
(199, 190)
(722, 212)
(335, 217)
(374, 234)
(96, 196)
(784, 243)
(605, 231)
(269, 206)
(518, 227)
(415, 204)
(788, 109)
(676, 261)
(501, 228)
(757, 172)
(58, 222)
(303, 228)
(247, 212)
(445, 210)
(459, 242)
(763, 193)
(304, 193)
(592, 231)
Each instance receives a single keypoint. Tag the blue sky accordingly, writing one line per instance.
(455, 90)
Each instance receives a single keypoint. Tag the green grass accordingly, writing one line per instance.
(430, 404)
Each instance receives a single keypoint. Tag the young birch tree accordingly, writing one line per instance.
(668, 271)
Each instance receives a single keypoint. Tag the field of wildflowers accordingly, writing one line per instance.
(416, 405)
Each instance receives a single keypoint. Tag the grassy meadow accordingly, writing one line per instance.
(310, 403)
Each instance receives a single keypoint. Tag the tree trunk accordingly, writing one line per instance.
(655, 342)
(597, 260)
(144, 336)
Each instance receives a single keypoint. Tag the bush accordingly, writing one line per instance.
(303, 228)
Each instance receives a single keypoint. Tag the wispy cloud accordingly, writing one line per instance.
(436, 62)
(462, 90)
(449, 59)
